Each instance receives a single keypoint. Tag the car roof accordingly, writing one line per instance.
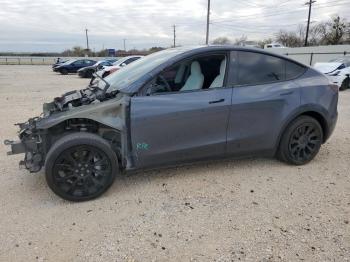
(188, 50)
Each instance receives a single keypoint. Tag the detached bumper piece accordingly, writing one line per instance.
(17, 147)
(30, 144)
(33, 159)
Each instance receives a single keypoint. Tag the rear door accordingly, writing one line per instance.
(262, 98)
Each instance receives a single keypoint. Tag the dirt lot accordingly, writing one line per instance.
(251, 210)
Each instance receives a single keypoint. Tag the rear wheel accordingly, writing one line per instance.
(80, 166)
(301, 141)
(64, 71)
(345, 84)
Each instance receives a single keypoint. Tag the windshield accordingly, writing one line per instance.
(128, 74)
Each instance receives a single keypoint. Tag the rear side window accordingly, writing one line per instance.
(256, 68)
(293, 70)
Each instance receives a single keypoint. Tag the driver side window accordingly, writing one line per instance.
(205, 72)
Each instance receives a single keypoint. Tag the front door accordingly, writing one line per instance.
(185, 119)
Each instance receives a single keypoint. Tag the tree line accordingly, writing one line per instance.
(336, 31)
(78, 51)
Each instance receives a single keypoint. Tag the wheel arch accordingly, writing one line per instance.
(312, 111)
(86, 125)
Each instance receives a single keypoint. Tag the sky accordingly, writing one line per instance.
(56, 25)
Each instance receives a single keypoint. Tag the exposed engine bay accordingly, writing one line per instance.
(77, 98)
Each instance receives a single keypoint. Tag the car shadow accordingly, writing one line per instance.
(132, 180)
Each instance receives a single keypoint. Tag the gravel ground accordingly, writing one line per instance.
(251, 210)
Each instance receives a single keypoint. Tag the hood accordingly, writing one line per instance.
(327, 67)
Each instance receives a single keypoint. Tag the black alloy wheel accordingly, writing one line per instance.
(80, 167)
(81, 170)
(304, 142)
(301, 141)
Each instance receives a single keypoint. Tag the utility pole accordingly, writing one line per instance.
(124, 44)
(208, 19)
(87, 39)
(174, 26)
(308, 20)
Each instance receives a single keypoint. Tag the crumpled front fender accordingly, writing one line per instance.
(110, 113)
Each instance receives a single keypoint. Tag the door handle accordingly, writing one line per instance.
(217, 101)
(287, 93)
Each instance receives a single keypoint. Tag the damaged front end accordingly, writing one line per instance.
(87, 110)
(30, 143)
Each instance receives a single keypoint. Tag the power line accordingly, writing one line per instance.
(208, 20)
(282, 12)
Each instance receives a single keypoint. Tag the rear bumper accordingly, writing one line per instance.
(331, 126)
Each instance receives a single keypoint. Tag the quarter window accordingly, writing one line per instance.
(256, 68)
(293, 70)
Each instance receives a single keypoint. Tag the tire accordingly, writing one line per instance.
(88, 74)
(301, 141)
(345, 84)
(64, 71)
(80, 167)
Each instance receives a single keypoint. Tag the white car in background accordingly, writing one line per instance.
(337, 70)
(273, 45)
(107, 70)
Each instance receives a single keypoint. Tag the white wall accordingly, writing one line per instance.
(320, 53)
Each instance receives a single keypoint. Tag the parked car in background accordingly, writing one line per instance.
(176, 106)
(112, 60)
(87, 71)
(337, 70)
(72, 66)
(59, 63)
(273, 45)
(107, 70)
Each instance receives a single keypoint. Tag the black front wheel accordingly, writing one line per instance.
(64, 71)
(301, 141)
(80, 166)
